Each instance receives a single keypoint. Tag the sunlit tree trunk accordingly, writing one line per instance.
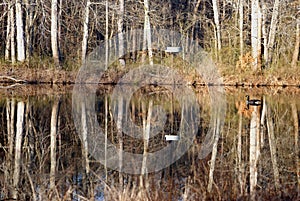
(29, 28)
(85, 31)
(255, 40)
(7, 42)
(297, 44)
(217, 22)
(241, 27)
(272, 144)
(272, 32)
(53, 134)
(147, 31)
(18, 147)
(54, 41)
(120, 25)
(20, 32)
(264, 31)
(106, 34)
(12, 34)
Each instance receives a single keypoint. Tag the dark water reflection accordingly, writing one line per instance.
(255, 156)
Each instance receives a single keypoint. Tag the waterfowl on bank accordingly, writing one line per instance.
(252, 102)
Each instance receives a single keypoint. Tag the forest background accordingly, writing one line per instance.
(256, 40)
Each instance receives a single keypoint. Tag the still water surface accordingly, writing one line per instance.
(43, 154)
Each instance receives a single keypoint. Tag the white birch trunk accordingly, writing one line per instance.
(54, 41)
(7, 43)
(217, 22)
(85, 31)
(264, 31)
(147, 31)
(297, 44)
(12, 35)
(53, 134)
(18, 147)
(241, 27)
(20, 32)
(106, 34)
(255, 17)
(272, 32)
(120, 31)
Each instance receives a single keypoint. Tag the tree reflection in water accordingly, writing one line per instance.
(255, 156)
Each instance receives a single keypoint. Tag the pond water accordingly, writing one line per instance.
(101, 146)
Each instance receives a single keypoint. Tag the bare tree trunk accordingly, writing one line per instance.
(264, 31)
(85, 31)
(53, 134)
(255, 18)
(29, 28)
(106, 34)
(272, 144)
(272, 32)
(147, 31)
(12, 34)
(20, 32)
(120, 31)
(8, 37)
(217, 22)
(241, 27)
(54, 41)
(297, 44)
(18, 147)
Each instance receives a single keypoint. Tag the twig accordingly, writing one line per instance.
(13, 79)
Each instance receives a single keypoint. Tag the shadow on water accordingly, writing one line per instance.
(254, 156)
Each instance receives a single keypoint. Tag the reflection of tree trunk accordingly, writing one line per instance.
(120, 138)
(10, 111)
(296, 130)
(272, 143)
(53, 133)
(84, 145)
(84, 137)
(18, 146)
(241, 175)
(146, 131)
(262, 122)
(214, 153)
(254, 150)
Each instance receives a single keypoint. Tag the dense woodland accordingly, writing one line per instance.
(267, 31)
